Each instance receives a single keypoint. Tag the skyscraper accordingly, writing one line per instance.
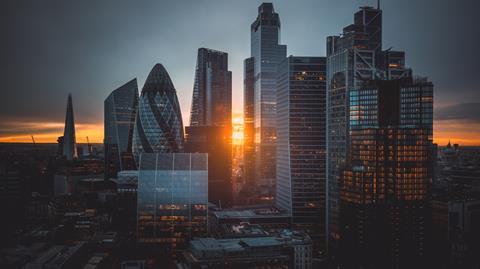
(69, 142)
(384, 190)
(379, 151)
(212, 90)
(301, 144)
(248, 117)
(120, 109)
(351, 59)
(158, 125)
(210, 129)
(266, 53)
(172, 198)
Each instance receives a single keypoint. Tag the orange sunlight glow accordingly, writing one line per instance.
(237, 125)
(463, 133)
(459, 132)
(48, 132)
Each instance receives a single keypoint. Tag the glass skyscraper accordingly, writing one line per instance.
(212, 90)
(384, 190)
(379, 142)
(210, 129)
(248, 117)
(120, 109)
(267, 54)
(69, 139)
(350, 61)
(301, 144)
(158, 125)
(172, 198)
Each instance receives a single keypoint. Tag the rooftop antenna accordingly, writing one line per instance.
(378, 4)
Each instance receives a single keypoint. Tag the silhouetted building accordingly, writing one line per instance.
(248, 122)
(279, 249)
(158, 125)
(266, 53)
(69, 142)
(385, 187)
(60, 146)
(212, 90)
(301, 145)
(216, 142)
(210, 129)
(120, 110)
(267, 217)
(360, 43)
(236, 253)
(172, 198)
(379, 122)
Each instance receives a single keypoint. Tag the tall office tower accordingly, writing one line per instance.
(379, 141)
(248, 116)
(301, 144)
(120, 109)
(384, 193)
(172, 198)
(267, 54)
(212, 90)
(210, 129)
(158, 124)
(69, 142)
(351, 59)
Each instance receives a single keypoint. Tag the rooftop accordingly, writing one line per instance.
(250, 213)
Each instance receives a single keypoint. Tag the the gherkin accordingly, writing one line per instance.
(158, 125)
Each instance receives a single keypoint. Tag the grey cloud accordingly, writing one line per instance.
(463, 111)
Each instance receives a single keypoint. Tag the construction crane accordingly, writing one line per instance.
(89, 147)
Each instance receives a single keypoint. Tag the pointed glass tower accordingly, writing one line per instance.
(69, 142)
(158, 126)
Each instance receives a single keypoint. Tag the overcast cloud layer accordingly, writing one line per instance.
(89, 48)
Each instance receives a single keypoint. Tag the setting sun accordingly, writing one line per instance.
(237, 125)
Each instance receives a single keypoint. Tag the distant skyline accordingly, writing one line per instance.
(90, 48)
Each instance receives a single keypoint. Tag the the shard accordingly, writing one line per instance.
(69, 142)
(158, 125)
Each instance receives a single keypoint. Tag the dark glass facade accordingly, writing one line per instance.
(158, 125)
(267, 54)
(172, 203)
(212, 90)
(301, 144)
(248, 117)
(210, 129)
(351, 59)
(379, 141)
(215, 141)
(120, 109)
(385, 189)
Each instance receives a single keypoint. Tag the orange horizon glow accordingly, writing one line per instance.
(463, 133)
(94, 132)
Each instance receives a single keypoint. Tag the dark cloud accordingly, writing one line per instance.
(461, 112)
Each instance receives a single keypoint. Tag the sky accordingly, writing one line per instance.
(89, 48)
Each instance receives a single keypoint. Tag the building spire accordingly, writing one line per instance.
(378, 4)
(69, 142)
